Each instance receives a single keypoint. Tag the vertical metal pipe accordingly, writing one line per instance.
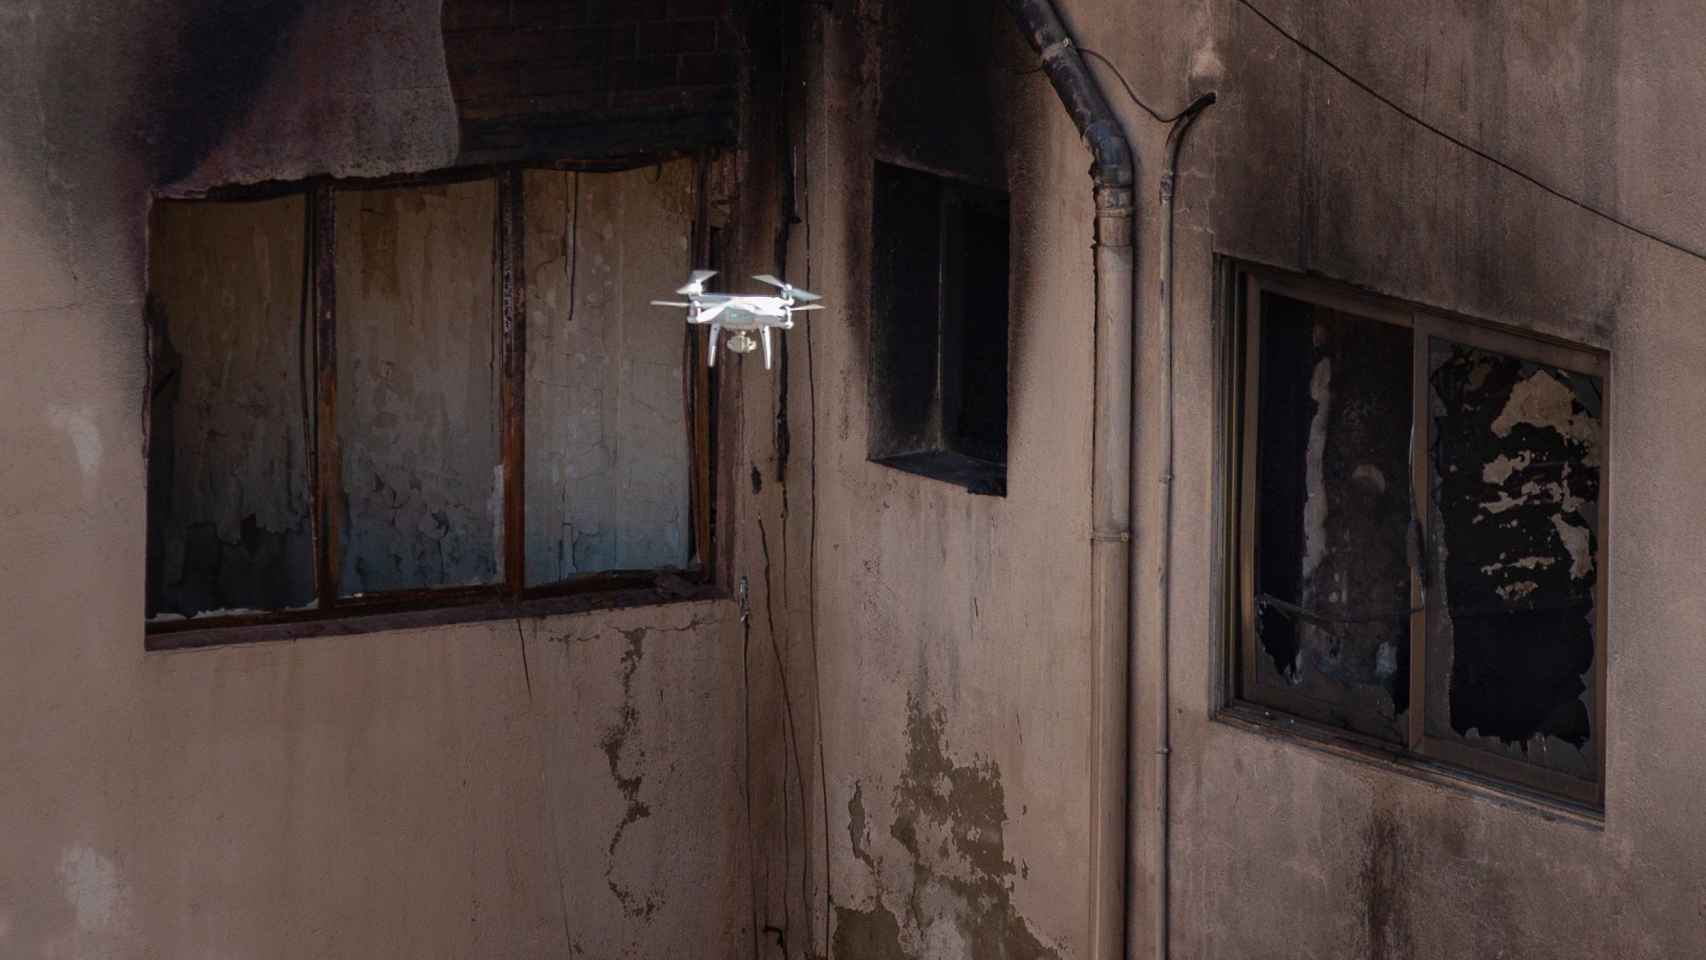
(1110, 569)
(1113, 173)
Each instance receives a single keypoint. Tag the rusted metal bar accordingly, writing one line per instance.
(328, 470)
(418, 609)
(512, 280)
(697, 386)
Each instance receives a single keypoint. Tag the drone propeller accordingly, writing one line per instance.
(669, 303)
(788, 289)
(696, 282)
(810, 306)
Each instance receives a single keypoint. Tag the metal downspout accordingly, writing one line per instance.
(1113, 173)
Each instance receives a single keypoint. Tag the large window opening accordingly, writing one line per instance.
(1420, 533)
(440, 392)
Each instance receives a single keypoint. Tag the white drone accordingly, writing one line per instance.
(741, 313)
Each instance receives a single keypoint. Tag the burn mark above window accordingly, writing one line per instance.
(1420, 531)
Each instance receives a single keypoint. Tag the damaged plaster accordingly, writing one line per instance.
(955, 898)
(613, 742)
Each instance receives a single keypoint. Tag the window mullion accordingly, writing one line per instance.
(1419, 519)
(512, 297)
(1248, 466)
(323, 201)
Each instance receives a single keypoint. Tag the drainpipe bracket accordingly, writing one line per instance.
(1056, 48)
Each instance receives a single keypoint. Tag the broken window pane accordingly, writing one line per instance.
(230, 421)
(608, 454)
(418, 379)
(1333, 515)
(1514, 537)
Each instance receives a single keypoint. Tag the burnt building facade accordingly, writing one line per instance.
(1237, 502)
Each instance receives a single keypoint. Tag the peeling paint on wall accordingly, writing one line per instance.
(949, 819)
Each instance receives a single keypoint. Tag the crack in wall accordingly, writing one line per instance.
(613, 742)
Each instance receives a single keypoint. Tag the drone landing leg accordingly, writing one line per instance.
(711, 351)
(764, 334)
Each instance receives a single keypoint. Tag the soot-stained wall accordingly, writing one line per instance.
(951, 628)
(599, 78)
(1277, 849)
(573, 785)
(1297, 167)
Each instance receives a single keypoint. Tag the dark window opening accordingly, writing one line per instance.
(1420, 533)
(445, 391)
(938, 375)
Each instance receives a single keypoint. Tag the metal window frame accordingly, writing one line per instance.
(1241, 287)
(509, 596)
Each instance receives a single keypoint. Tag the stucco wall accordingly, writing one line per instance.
(928, 599)
(568, 786)
(1282, 851)
(953, 629)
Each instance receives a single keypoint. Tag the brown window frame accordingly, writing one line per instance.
(511, 596)
(1240, 291)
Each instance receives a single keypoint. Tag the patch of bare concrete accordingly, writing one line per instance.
(949, 818)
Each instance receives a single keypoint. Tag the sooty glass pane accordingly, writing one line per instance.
(1514, 447)
(230, 418)
(418, 382)
(1333, 511)
(608, 452)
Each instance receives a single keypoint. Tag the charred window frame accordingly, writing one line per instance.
(511, 594)
(1434, 623)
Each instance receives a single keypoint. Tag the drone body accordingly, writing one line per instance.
(741, 313)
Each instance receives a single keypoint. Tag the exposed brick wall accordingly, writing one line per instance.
(575, 76)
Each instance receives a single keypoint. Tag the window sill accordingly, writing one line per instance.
(1273, 725)
(415, 613)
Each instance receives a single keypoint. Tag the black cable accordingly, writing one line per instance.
(1146, 108)
(1153, 113)
(1484, 155)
